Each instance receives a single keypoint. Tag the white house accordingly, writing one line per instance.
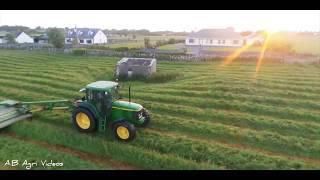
(215, 37)
(86, 36)
(23, 38)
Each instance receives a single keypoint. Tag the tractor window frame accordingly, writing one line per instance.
(114, 94)
(90, 95)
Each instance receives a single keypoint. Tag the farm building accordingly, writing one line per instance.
(215, 37)
(85, 36)
(22, 37)
(136, 66)
(41, 38)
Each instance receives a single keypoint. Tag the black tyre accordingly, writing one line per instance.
(84, 120)
(124, 131)
(146, 115)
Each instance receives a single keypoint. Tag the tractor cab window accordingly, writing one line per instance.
(115, 94)
(90, 95)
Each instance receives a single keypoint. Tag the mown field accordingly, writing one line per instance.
(209, 117)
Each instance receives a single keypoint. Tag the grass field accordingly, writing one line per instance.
(176, 46)
(140, 41)
(207, 118)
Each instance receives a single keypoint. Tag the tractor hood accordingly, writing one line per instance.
(126, 106)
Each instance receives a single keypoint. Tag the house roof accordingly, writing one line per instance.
(216, 34)
(102, 85)
(40, 36)
(19, 33)
(254, 35)
(82, 33)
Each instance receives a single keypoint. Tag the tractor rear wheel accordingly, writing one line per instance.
(124, 131)
(83, 120)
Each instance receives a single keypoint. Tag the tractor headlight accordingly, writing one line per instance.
(140, 115)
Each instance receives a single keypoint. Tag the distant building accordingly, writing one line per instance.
(215, 37)
(85, 36)
(41, 39)
(136, 66)
(23, 38)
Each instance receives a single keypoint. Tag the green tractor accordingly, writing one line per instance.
(101, 107)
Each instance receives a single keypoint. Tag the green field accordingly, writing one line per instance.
(140, 41)
(207, 118)
(172, 46)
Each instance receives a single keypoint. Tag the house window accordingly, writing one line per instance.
(69, 40)
(211, 41)
(235, 41)
(191, 40)
(89, 41)
(223, 41)
(81, 40)
(219, 41)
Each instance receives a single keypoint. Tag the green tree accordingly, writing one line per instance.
(75, 41)
(10, 38)
(171, 41)
(56, 37)
(147, 42)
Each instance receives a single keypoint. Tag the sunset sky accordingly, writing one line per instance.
(156, 20)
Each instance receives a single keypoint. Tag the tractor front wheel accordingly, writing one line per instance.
(83, 120)
(124, 131)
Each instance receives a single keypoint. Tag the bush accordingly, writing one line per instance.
(280, 45)
(170, 41)
(121, 49)
(79, 52)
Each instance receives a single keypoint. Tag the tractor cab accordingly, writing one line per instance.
(101, 107)
(101, 94)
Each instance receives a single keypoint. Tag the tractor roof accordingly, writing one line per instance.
(102, 85)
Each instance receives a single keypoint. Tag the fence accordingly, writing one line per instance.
(26, 46)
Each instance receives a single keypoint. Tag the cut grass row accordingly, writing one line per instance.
(218, 94)
(253, 108)
(13, 149)
(106, 148)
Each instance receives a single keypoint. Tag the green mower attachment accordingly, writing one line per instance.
(13, 111)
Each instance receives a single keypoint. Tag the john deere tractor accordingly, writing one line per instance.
(98, 109)
(102, 107)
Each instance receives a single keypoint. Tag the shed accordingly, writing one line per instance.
(136, 66)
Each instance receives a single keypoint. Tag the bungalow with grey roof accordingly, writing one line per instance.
(215, 37)
(85, 36)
